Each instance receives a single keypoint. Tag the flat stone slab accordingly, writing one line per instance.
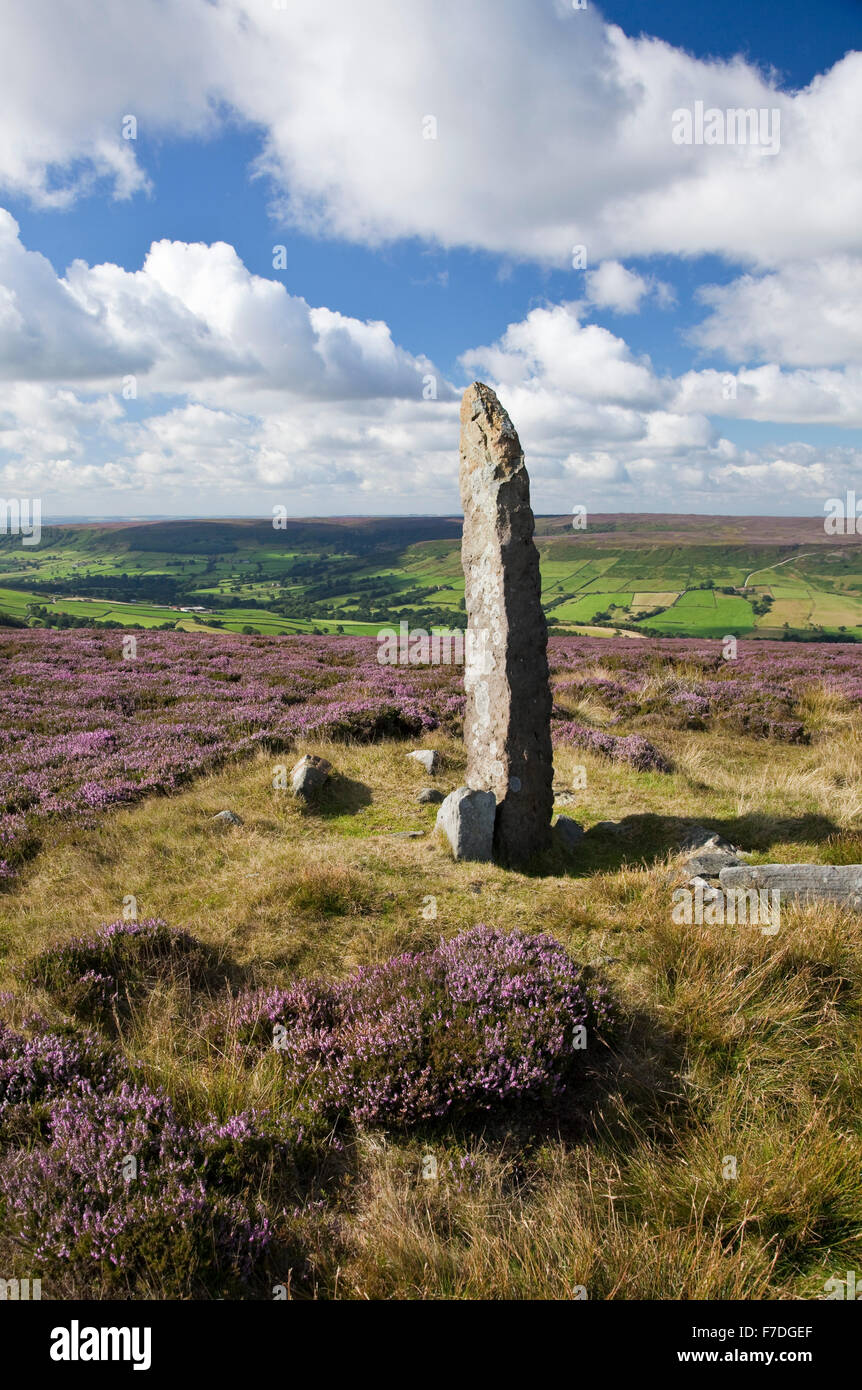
(467, 818)
(840, 883)
(607, 827)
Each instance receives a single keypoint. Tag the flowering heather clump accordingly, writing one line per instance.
(693, 709)
(759, 724)
(363, 721)
(616, 695)
(100, 978)
(487, 1017)
(635, 750)
(42, 1068)
(118, 1197)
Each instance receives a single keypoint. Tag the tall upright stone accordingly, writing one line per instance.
(507, 724)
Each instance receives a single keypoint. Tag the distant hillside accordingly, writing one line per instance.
(356, 535)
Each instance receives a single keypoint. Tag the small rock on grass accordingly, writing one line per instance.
(309, 775)
(429, 796)
(226, 818)
(709, 863)
(428, 757)
(567, 832)
(697, 838)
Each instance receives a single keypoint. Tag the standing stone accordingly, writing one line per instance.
(507, 723)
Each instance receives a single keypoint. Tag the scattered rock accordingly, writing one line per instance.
(405, 834)
(226, 818)
(466, 818)
(429, 796)
(710, 892)
(309, 775)
(709, 863)
(568, 832)
(507, 720)
(428, 757)
(697, 837)
(564, 798)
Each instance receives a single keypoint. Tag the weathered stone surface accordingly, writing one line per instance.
(226, 818)
(507, 729)
(429, 796)
(309, 775)
(841, 883)
(708, 863)
(428, 757)
(467, 819)
(568, 832)
(697, 837)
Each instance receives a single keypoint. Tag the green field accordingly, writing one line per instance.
(689, 577)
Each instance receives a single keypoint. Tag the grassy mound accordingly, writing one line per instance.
(100, 979)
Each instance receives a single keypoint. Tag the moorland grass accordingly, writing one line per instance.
(730, 1045)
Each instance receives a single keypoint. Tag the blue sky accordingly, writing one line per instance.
(706, 359)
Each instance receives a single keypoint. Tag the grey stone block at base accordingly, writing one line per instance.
(467, 818)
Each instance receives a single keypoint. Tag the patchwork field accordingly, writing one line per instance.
(662, 575)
